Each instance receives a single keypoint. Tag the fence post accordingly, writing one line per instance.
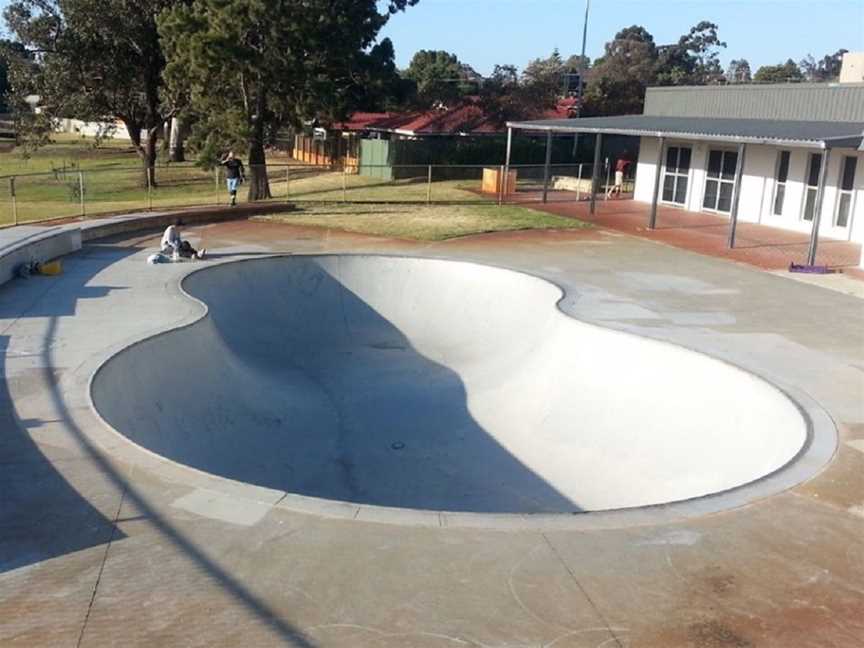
(502, 180)
(344, 184)
(14, 203)
(287, 183)
(429, 186)
(81, 193)
(579, 184)
(608, 177)
(149, 190)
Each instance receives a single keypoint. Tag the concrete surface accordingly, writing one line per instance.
(440, 385)
(24, 244)
(99, 549)
(53, 239)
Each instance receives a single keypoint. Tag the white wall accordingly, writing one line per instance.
(758, 184)
(645, 167)
(91, 129)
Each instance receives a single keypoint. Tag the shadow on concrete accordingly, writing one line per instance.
(48, 517)
(305, 388)
(42, 516)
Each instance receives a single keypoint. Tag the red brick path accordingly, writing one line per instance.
(765, 247)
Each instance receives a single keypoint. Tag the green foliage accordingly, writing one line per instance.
(826, 69)
(507, 96)
(376, 83)
(9, 50)
(787, 72)
(632, 61)
(248, 67)
(739, 71)
(439, 77)
(619, 78)
(96, 60)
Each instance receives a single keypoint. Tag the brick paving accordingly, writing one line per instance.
(765, 247)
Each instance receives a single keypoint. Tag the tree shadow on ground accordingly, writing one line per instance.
(41, 514)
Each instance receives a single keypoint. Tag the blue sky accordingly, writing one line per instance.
(485, 32)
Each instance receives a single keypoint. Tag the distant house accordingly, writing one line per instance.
(386, 137)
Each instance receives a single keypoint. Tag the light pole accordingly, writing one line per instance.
(582, 59)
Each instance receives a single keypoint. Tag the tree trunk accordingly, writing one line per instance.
(167, 134)
(259, 186)
(146, 151)
(176, 152)
(148, 158)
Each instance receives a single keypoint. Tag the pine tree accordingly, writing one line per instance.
(247, 67)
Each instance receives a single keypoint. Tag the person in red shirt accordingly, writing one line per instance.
(621, 166)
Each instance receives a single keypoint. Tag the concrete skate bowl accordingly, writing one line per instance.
(436, 385)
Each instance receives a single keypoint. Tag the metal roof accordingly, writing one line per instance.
(790, 101)
(805, 134)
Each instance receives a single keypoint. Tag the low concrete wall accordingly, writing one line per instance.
(23, 244)
(26, 243)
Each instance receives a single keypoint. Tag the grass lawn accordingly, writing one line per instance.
(69, 151)
(47, 185)
(421, 222)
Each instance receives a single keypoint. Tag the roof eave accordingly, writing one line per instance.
(736, 139)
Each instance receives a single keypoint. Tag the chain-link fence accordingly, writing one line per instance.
(76, 193)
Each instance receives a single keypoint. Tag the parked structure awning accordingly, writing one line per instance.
(802, 134)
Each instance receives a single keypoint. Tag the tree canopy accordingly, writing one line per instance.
(632, 61)
(693, 60)
(439, 76)
(247, 67)
(825, 69)
(787, 72)
(620, 76)
(739, 71)
(96, 60)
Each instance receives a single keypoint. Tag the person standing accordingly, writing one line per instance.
(620, 169)
(235, 174)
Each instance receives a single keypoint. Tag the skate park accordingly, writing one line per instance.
(477, 446)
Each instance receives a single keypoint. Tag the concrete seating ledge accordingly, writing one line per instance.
(24, 243)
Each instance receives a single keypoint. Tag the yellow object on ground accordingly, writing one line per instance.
(51, 268)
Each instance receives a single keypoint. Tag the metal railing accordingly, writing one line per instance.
(81, 193)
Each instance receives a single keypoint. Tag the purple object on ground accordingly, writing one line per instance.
(811, 269)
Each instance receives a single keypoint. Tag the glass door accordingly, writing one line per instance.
(720, 181)
(847, 191)
(813, 168)
(780, 184)
(676, 174)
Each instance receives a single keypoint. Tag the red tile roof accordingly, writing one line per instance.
(466, 118)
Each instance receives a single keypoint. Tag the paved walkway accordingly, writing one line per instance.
(769, 248)
(96, 552)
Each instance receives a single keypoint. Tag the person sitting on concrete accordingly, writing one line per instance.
(173, 244)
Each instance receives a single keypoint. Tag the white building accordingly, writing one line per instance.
(788, 154)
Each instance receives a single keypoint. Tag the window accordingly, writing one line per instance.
(720, 181)
(812, 180)
(780, 184)
(847, 191)
(676, 174)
